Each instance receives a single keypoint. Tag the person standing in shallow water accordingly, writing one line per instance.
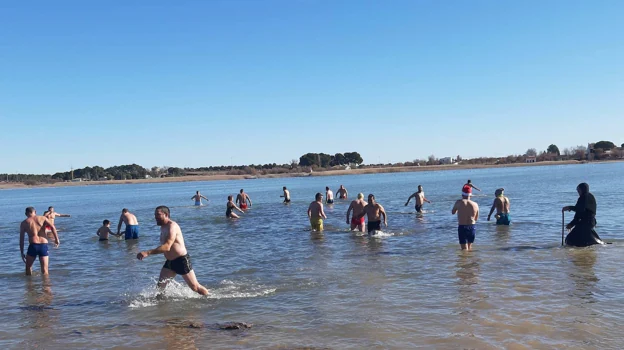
(501, 205)
(467, 215)
(582, 233)
(420, 199)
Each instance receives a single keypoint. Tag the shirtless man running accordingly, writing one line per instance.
(286, 195)
(469, 184)
(374, 211)
(132, 224)
(172, 246)
(50, 214)
(198, 197)
(34, 226)
(316, 214)
(501, 204)
(242, 198)
(342, 193)
(420, 199)
(467, 216)
(358, 208)
(330, 195)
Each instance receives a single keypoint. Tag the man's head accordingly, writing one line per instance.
(341, 187)
(196, 192)
(284, 188)
(318, 197)
(420, 188)
(241, 191)
(371, 199)
(360, 195)
(582, 188)
(30, 212)
(469, 181)
(106, 223)
(51, 209)
(326, 188)
(161, 214)
(124, 210)
(499, 192)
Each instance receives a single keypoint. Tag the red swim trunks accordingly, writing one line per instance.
(48, 228)
(356, 222)
(243, 206)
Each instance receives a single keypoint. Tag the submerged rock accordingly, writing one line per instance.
(234, 325)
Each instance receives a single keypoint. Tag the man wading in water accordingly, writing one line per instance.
(172, 245)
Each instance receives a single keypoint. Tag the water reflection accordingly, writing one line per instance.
(502, 234)
(582, 273)
(181, 334)
(467, 272)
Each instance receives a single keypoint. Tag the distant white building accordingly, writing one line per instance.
(447, 160)
(531, 159)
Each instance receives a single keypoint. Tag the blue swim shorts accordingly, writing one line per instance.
(466, 233)
(132, 231)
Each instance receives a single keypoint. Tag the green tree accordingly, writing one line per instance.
(604, 145)
(353, 158)
(553, 149)
(308, 159)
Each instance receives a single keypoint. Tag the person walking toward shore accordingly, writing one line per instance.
(469, 184)
(467, 215)
(286, 195)
(178, 261)
(230, 207)
(197, 198)
(242, 198)
(419, 198)
(35, 226)
(316, 214)
(132, 224)
(342, 192)
(501, 205)
(374, 211)
(357, 206)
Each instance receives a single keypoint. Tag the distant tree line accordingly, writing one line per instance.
(121, 172)
(326, 160)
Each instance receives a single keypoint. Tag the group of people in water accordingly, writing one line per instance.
(178, 262)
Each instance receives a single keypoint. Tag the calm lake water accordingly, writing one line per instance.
(414, 288)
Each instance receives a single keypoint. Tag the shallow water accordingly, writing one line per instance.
(409, 288)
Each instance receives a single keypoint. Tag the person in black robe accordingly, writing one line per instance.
(582, 232)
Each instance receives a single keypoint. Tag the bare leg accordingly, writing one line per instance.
(469, 246)
(30, 260)
(464, 246)
(233, 216)
(165, 276)
(361, 227)
(353, 227)
(191, 280)
(43, 261)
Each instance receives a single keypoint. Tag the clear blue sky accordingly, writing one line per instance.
(198, 83)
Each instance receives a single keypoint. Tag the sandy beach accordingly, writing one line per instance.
(217, 177)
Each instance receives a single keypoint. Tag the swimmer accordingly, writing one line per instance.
(467, 215)
(105, 230)
(242, 198)
(230, 207)
(50, 214)
(132, 224)
(501, 204)
(358, 208)
(330, 195)
(34, 226)
(469, 184)
(198, 197)
(342, 192)
(316, 214)
(172, 246)
(286, 195)
(374, 211)
(420, 199)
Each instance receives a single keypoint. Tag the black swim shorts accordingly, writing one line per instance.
(181, 265)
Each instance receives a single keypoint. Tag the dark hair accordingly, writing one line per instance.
(196, 191)
(105, 222)
(50, 208)
(241, 191)
(326, 188)
(30, 210)
(469, 181)
(124, 210)
(371, 196)
(164, 210)
(230, 198)
(284, 187)
(318, 196)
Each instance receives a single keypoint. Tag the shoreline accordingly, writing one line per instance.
(221, 177)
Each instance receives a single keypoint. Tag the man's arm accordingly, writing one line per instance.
(477, 214)
(97, 232)
(119, 225)
(349, 212)
(382, 211)
(248, 199)
(323, 212)
(491, 210)
(426, 200)
(21, 242)
(165, 247)
(202, 196)
(63, 215)
(310, 211)
(475, 187)
(454, 211)
(410, 198)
